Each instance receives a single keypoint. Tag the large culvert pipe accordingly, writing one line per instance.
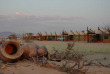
(10, 51)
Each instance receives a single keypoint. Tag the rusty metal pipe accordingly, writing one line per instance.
(10, 51)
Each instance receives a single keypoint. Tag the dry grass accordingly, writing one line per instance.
(89, 48)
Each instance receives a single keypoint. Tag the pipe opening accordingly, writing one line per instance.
(11, 49)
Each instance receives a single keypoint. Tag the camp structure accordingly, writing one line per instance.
(98, 36)
(48, 36)
(90, 36)
(74, 36)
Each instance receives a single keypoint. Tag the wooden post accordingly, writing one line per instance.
(41, 36)
(63, 35)
(84, 35)
(56, 36)
(87, 35)
(73, 35)
(78, 36)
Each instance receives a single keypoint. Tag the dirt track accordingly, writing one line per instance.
(27, 67)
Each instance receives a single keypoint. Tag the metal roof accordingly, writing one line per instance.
(70, 33)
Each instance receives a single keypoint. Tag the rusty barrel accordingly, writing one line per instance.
(10, 51)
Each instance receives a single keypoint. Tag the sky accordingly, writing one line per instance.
(22, 16)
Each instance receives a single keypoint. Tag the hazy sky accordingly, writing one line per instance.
(53, 15)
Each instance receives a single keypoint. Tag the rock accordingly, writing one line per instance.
(3, 66)
(1, 73)
(32, 68)
(26, 65)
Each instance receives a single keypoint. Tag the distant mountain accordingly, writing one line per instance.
(5, 34)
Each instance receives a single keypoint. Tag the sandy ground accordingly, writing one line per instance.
(99, 57)
(98, 70)
(27, 67)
